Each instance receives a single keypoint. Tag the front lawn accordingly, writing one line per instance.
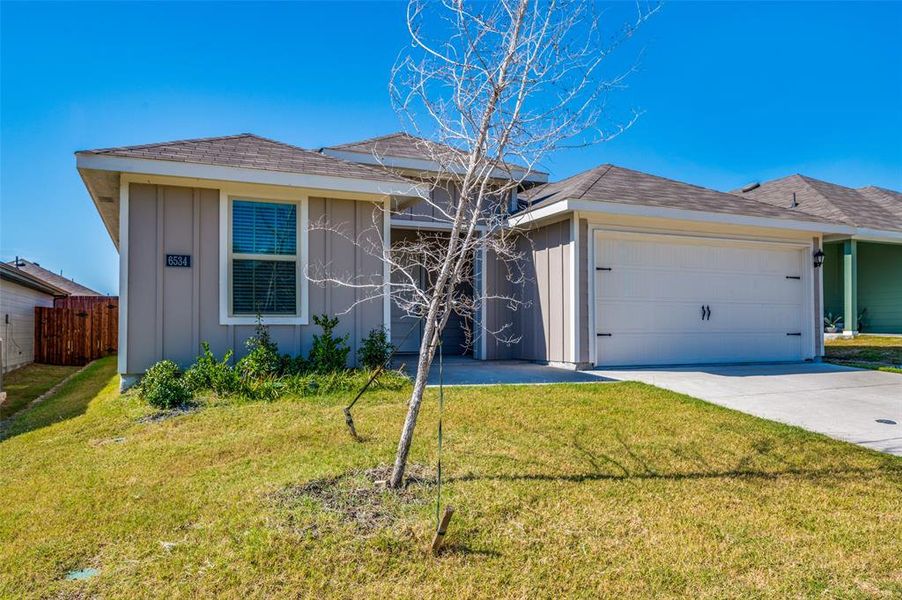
(615, 490)
(27, 383)
(883, 353)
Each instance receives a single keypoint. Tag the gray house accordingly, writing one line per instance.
(625, 268)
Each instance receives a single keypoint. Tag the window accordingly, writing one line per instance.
(265, 266)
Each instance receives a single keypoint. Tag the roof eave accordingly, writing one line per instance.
(112, 231)
(191, 170)
(563, 206)
(19, 277)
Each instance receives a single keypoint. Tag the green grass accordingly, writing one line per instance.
(866, 352)
(27, 383)
(612, 490)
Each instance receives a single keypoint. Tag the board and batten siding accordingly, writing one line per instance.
(880, 287)
(171, 311)
(17, 304)
(545, 323)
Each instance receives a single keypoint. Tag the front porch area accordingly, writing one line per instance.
(863, 286)
(464, 370)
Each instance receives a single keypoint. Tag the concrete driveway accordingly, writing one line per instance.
(840, 402)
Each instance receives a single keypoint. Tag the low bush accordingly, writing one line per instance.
(207, 373)
(264, 374)
(164, 387)
(262, 360)
(329, 353)
(375, 349)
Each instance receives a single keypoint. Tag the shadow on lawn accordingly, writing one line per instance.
(599, 461)
(688, 475)
(70, 401)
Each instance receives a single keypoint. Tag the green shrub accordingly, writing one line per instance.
(328, 353)
(265, 388)
(209, 374)
(262, 359)
(163, 387)
(293, 365)
(375, 349)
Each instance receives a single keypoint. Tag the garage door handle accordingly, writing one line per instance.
(706, 313)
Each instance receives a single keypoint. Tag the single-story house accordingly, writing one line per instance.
(625, 268)
(20, 293)
(862, 267)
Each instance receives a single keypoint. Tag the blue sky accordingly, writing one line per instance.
(731, 93)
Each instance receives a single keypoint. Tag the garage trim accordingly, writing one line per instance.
(808, 273)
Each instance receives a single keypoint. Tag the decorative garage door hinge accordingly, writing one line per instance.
(793, 277)
(603, 334)
(602, 268)
(798, 333)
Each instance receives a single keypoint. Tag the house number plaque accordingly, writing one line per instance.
(178, 260)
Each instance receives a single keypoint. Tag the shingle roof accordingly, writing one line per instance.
(253, 152)
(871, 207)
(404, 145)
(59, 284)
(610, 183)
(398, 145)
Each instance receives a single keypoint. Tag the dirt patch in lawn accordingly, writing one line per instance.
(162, 415)
(361, 497)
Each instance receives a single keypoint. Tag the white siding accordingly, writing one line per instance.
(17, 304)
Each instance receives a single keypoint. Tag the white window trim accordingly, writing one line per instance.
(226, 195)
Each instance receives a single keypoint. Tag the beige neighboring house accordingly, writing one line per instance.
(20, 293)
(625, 268)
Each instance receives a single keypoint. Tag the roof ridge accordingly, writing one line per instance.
(376, 139)
(607, 167)
(172, 142)
(879, 188)
(320, 154)
(810, 182)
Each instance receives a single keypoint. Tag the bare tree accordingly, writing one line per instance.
(494, 87)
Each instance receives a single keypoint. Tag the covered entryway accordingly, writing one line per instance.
(673, 299)
(407, 330)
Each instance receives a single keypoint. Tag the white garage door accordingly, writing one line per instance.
(672, 300)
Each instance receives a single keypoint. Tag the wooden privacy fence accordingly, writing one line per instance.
(77, 330)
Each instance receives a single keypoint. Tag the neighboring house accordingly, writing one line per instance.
(70, 286)
(862, 267)
(20, 293)
(624, 267)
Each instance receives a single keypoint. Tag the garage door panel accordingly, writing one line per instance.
(684, 317)
(649, 299)
(626, 283)
(677, 349)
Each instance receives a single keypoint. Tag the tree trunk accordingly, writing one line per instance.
(427, 349)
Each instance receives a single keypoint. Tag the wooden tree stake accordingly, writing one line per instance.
(442, 530)
(349, 420)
